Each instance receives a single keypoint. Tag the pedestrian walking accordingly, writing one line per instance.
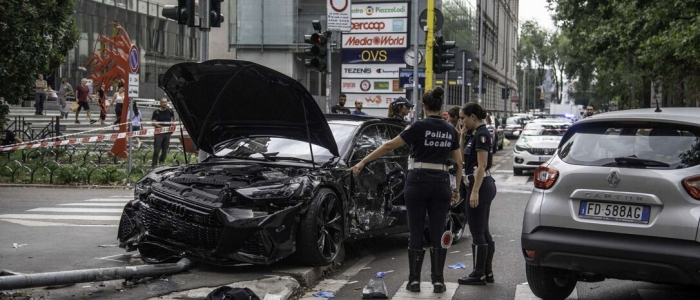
(480, 191)
(118, 102)
(428, 189)
(358, 108)
(135, 118)
(39, 94)
(400, 108)
(340, 107)
(102, 103)
(82, 100)
(63, 92)
(162, 117)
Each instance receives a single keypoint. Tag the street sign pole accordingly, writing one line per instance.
(429, 39)
(204, 17)
(416, 51)
(481, 48)
(464, 78)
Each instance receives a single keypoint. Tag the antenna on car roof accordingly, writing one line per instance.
(657, 105)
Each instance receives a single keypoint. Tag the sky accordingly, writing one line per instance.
(536, 10)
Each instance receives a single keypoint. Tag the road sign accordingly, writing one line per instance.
(133, 86)
(406, 78)
(439, 19)
(338, 15)
(134, 59)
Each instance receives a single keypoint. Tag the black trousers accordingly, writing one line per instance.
(39, 100)
(161, 143)
(427, 191)
(118, 111)
(479, 216)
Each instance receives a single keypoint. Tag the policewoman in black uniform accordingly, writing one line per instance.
(433, 141)
(481, 190)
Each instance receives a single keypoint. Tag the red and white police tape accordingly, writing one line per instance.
(51, 142)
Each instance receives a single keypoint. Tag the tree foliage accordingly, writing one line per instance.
(34, 38)
(618, 47)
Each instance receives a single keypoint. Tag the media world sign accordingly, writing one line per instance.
(374, 40)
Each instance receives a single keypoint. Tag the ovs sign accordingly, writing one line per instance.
(368, 56)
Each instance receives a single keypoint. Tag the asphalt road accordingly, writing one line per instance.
(69, 229)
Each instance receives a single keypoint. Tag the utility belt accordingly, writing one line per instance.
(468, 180)
(429, 166)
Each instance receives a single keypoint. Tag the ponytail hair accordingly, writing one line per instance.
(433, 99)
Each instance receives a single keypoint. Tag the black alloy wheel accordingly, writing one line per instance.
(321, 229)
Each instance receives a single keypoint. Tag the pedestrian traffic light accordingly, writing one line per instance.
(216, 17)
(183, 12)
(441, 57)
(317, 51)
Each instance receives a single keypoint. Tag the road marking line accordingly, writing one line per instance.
(110, 257)
(514, 191)
(426, 291)
(519, 180)
(359, 265)
(94, 204)
(39, 223)
(120, 196)
(110, 200)
(523, 292)
(59, 217)
(77, 210)
(503, 171)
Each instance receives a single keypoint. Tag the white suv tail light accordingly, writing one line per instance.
(545, 177)
(692, 186)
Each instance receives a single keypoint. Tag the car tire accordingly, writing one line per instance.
(320, 233)
(547, 283)
(517, 172)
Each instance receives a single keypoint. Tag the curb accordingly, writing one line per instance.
(58, 186)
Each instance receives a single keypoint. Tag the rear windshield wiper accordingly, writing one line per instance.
(638, 162)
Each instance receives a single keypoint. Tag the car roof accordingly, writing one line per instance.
(675, 114)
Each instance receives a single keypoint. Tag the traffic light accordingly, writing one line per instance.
(318, 51)
(441, 56)
(216, 18)
(183, 12)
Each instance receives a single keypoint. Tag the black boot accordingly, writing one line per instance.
(477, 277)
(437, 265)
(488, 268)
(415, 263)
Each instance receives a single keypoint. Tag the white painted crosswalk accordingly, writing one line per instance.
(96, 212)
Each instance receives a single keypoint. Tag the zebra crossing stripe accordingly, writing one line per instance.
(77, 210)
(46, 224)
(110, 200)
(59, 217)
(94, 204)
(523, 292)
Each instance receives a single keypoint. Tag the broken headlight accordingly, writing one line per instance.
(270, 191)
(143, 189)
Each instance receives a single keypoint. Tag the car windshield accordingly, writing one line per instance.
(542, 128)
(287, 148)
(641, 144)
(513, 121)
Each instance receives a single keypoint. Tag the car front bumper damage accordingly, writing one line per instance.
(223, 236)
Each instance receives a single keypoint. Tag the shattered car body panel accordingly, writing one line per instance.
(263, 195)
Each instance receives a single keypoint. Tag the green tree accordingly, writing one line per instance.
(34, 38)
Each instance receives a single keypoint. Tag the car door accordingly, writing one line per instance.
(371, 190)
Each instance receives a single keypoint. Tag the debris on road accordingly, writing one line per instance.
(15, 245)
(323, 294)
(375, 290)
(458, 265)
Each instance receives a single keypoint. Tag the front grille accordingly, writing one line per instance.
(254, 245)
(169, 226)
(125, 226)
(542, 151)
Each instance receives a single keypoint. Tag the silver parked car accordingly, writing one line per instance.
(619, 199)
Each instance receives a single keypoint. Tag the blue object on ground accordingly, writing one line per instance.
(323, 294)
(458, 265)
(381, 274)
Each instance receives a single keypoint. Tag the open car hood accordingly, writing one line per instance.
(219, 100)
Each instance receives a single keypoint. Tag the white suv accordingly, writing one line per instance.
(537, 143)
(620, 199)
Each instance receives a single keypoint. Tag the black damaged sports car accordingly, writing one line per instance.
(276, 179)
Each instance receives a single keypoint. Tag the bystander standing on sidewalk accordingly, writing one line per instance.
(340, 107)
(82, 100)
(63, 92)
(39, 94)
(118, 102)
(102, 103)
(358, 108)
(135, 121)
(162, 117)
